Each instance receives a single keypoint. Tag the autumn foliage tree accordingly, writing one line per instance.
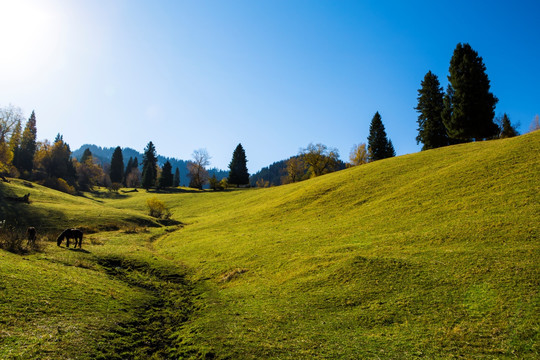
(320, 159)
(358, 155)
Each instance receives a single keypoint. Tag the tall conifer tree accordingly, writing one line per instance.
(431, 129)
(28, 146)
(379, 146)
(166, 178)
(117, 166)
(149, 172)
(176, 182)
(238, 172)
(470, 115)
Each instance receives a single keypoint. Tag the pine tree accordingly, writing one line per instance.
(117, 166)
(149, 172)
(238, 172)
(431, 129)
(166, 178)
(379, 146)
(87, 154)
(472, 109)
(28, 146)
(506, 128)
(176, 182)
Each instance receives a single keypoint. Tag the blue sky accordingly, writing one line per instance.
(272, 75)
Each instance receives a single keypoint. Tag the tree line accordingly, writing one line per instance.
(465, 112)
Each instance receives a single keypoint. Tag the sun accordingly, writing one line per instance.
(28, 36)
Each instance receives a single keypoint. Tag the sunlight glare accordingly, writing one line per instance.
(29, 36)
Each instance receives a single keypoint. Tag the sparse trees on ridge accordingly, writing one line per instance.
(379, 146)
(431, 130)
(238, 172)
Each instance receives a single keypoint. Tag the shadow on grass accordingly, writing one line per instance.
(21, 215)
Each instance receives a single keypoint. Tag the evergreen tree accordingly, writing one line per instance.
(431, 129)
(379, 146)
(166, 178)
(117, 166)
(506, 128)
(87, 154)
(176, 182)
(149, 172)
(472, 109)
(28, 146)
(238, 172)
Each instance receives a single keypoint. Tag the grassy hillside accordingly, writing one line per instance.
(429, 255)
(433, 254)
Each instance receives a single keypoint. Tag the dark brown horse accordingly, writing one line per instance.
(70, 234)
(31, 235)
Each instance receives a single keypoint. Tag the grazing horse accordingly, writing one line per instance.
(70, 234)
(31, 235)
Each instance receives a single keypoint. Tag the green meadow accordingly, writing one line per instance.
(432, 255)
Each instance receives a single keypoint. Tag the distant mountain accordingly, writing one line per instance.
(104, 156)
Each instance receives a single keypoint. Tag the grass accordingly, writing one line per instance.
(429, 255)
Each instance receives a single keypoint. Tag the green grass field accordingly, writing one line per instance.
(431, 255)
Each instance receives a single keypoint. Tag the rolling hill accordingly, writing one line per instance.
(428, 255)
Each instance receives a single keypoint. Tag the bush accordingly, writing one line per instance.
(158, 209)
(15, 241)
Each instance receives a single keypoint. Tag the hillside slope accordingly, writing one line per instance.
(434, 255)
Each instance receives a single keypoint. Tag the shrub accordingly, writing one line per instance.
(158, 209)
(15, 241)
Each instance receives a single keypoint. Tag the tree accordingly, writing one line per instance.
(28, 146)
(535, 124)
(238, 172)
(166, 177)
(472, 104)
(431, 129)
(15, 143)
(320, 159)
(213, 182)
(295, 169)
(55, 162)
(87, 154)
(10, 117)
(506, 129)
(197, 168)
(176, 182)
(117, 166)
(379, 146)
(358, 155)
(89, 174)
(149, 172)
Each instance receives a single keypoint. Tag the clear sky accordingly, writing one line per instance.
(273, 75)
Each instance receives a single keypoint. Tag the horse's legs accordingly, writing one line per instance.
(67, 241)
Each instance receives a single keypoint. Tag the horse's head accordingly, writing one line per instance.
(60, 238)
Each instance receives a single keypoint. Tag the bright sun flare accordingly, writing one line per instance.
(28, 36)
